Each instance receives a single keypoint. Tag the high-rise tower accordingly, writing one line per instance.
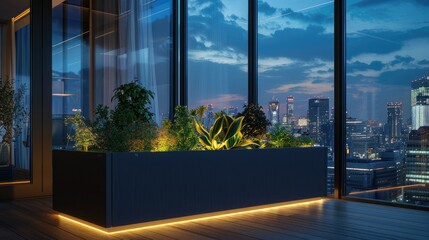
(318, 116)
(394, 121)
(289, 109)
(274, 112)
(420, 102)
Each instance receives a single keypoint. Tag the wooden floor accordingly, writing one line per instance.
(330, 219)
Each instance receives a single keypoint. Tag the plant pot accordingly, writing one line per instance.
(116, 189)
(4, 154)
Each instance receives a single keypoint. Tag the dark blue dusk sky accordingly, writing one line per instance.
(387, 48)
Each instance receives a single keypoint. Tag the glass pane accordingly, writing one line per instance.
(125, 41)
(133, 42)
(296, 69)
(217, 55)
(70, 63)
(388, 101)
(15, 85)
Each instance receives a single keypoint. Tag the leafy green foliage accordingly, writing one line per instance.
(224, 134)
(280, 137)
(198, 112)
(128, 127)
(133, 104)
(166, 140)
(255, 122)
(13, 114)
(83, 135)
(183, 129)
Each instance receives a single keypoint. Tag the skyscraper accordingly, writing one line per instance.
(318, 115)
(274, 112)
(394, 121)
(420, 102)
(417, 165)
(289, 109)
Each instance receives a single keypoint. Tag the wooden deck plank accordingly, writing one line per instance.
(8, 234)
(332, 219)
(179, 234)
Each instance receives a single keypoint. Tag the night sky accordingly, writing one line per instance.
(387, 48)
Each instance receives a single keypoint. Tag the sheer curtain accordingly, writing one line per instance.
(125, 49)
(22, 78)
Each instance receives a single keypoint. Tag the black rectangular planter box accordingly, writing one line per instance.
(116, 189)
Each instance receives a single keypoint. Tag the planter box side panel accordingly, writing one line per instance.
(155, 186)
(80, 188)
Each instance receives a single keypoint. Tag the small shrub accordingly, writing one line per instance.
(255, 123)
(128, 127)
(165, 140)
(83, 136)
(183, 130)
(280, 137)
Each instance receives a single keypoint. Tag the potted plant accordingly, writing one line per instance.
(136, 172)
(13, 116)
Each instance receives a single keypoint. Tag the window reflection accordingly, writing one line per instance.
(387, 92)
(100, 45)
(15, 85)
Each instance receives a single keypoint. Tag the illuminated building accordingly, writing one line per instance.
(417, 164)
(318, 115)
(274, 112)
(289, 110)
(420, 102)
(394, 121)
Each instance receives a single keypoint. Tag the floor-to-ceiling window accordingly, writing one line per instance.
(388, 101)
(100, 45)
(15, 86)
(296, 69)
(217, 55)
(70, 63)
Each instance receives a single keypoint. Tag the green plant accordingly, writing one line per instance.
(198, 112)
(83, 135)
(165, 140)
(183, 129)
(128, 127)
(280, 137)
(133, 104)
(224, 134)
(13, 113)
(255, 122)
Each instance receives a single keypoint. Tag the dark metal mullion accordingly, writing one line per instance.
(174, 54)
(253, 52)
(340, 98)
(183, 53)
(86, 87)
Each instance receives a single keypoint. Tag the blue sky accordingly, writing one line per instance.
(386, 45)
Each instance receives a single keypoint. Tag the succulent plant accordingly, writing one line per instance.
(224, 134)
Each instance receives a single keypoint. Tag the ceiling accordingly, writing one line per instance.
(12, 8)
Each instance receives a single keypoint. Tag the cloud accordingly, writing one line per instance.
(222, 99)
(370, 3)
(424, 62)
(301, 44)
(360, 66)
(408, 57)
(270, 64)
(265, 8)
(203, 40)
(226, 56)
(307, 87)
(402, 60)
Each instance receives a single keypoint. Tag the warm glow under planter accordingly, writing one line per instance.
(116, 189)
